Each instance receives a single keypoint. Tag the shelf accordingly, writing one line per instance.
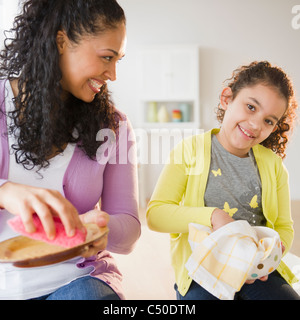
(169, 125)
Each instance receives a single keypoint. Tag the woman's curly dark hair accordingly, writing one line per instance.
(42, 120)
(264, 73)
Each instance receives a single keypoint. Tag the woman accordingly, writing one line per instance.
(55, 105)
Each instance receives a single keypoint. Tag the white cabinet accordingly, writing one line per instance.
(167, 85)
(169, 78)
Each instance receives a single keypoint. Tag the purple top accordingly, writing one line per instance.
(113, 178)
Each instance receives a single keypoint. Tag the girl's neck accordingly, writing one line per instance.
(222, 140)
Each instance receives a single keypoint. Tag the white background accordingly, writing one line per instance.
(229, 33)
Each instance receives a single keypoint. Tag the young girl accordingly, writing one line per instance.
(54, 102)
(231, 173)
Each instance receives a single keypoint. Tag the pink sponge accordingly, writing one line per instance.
(61, 238)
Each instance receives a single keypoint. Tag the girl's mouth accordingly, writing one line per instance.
(245, 132)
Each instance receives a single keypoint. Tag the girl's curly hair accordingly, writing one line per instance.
(42, 120)
(264, 73)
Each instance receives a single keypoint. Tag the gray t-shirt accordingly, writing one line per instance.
(234, 185)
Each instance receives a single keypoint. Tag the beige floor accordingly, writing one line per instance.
(147, 270)
(296, 217)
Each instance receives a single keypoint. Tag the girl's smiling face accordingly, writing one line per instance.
(88, 65)
(250, 118)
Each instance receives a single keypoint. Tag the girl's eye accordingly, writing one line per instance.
(269, 122)
(250, 107)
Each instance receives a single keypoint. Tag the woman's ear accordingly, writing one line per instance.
(61, 41)
(226, 97)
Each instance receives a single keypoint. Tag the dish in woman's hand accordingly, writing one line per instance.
(25, 252)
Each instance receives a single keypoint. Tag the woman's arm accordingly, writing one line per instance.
(120, 194)
(2, 181)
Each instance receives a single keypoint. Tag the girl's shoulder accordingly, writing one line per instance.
(268, 160)
(266, 153)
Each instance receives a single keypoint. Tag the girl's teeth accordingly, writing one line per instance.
(246, 133)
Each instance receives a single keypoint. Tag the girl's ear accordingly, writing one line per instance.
(61, 41)
(226, 97)
(275, 128)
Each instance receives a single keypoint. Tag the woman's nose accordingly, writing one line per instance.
(111, 72)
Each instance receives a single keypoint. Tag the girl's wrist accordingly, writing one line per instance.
(219, 218)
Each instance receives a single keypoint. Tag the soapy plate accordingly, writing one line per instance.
(25, 252)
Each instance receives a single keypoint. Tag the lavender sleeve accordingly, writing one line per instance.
(120, 194)
(4, 150)
(2, 181)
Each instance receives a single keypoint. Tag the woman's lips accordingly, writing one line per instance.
(246, 132)
(96, 85)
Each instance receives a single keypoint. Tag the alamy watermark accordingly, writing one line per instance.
(296, 17)
(152, 146)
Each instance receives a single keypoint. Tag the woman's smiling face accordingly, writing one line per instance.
(250, 118)
(87, 65)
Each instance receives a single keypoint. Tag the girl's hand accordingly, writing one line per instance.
(100, 218)
(25, 200)
(264, 278)
(219, 218)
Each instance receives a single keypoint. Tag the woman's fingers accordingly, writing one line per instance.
(68, 214)
(45, 215)
(96, 216)
(25, 201)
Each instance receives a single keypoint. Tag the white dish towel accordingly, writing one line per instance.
(221, 261)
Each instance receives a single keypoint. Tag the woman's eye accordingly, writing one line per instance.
(108, 58)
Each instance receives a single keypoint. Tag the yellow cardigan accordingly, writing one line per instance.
(178, 199)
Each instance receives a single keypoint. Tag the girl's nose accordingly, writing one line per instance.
(255, 123)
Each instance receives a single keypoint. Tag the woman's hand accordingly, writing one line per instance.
(25, 201)
(100, 218)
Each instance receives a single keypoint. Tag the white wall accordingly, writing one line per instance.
(229, 33)
(8, 10)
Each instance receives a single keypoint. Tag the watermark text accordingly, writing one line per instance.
(296, 17)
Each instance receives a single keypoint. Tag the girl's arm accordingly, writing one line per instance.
(166, 213)
(284, 223)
